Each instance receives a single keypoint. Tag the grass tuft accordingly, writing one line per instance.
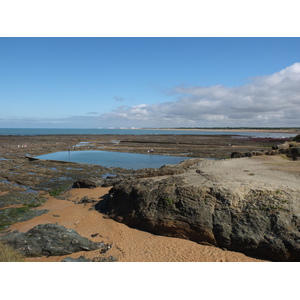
(8, 254)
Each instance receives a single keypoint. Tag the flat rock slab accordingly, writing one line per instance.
(49, 240)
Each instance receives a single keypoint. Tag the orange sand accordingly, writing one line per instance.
(128, 245)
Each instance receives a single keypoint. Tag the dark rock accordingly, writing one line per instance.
(111, 181)
(48, 240)
(105, 259)
(88, 183)
(85, 199)
(282, 151)
(237, 155)
(296, 138)
(79, 259)
(104, 247)
(95, 259)
(261, 225)
(293, 152)
(95, 234)
(256, 153)
(240, 154)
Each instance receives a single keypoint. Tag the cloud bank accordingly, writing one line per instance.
(266, 101)
(272, 100)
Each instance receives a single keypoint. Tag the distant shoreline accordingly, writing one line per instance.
(294, 131)
(261, 132)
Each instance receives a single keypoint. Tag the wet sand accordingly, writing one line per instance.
(128, 244)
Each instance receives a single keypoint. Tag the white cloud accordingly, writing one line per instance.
(271, 100)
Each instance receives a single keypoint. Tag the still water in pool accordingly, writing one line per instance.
(115, 159)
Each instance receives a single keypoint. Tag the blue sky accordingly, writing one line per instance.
(149, 82)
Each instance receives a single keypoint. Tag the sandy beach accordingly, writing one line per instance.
(282, 130)
(128, 244)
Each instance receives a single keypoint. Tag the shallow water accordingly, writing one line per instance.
(115, 159)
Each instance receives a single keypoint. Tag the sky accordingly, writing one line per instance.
(103, 82)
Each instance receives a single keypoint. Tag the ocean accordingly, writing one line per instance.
(95, 131)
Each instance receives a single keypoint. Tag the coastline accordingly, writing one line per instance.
(292, 131)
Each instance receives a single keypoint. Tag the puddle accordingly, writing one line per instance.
(5, 181)
(108, 174)
(115, 141)
(28, 189)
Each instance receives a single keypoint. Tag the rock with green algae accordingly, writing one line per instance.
(49, 240)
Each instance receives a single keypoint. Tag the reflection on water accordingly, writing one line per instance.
(115, 159)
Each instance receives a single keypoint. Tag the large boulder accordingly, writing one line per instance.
(258, 222)
(293, 153)
(241, 154)
(91, 182)
(48, 240)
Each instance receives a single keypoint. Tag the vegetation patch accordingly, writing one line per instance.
(58, 190)
(167, 201)
(296, 138)
(8, 254)
(9, 216)
(21, 198)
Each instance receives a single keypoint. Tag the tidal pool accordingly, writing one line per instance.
(115, 159)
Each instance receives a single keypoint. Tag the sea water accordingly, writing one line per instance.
(95, 131)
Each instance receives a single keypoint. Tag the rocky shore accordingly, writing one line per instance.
(21, 180)
(249, 205)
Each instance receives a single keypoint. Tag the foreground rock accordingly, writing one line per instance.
(241, 205)
(95, 259)
(48, 240)
(88, 183)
